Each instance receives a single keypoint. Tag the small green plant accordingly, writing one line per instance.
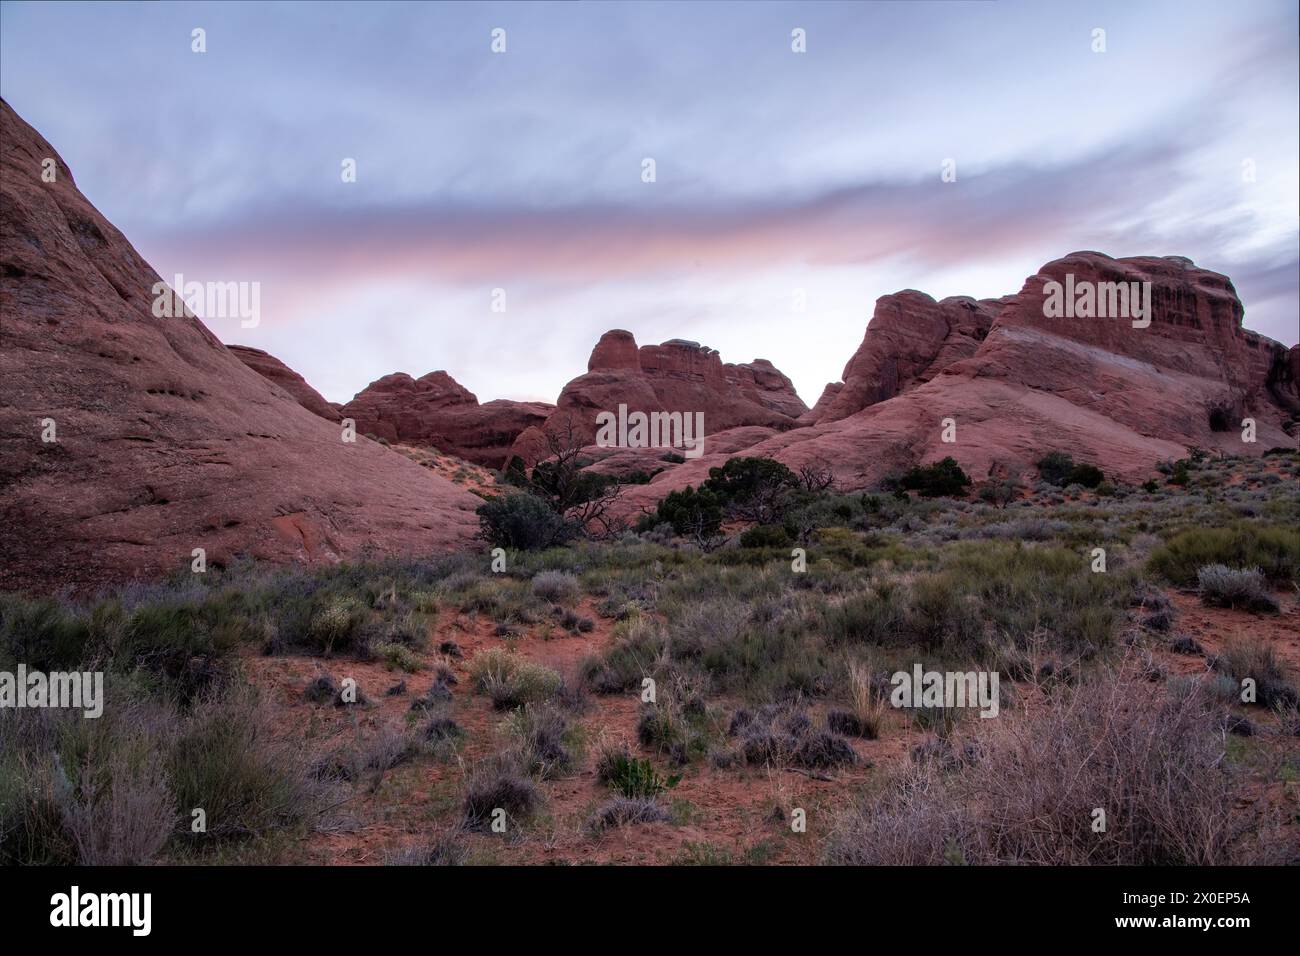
(633, 777)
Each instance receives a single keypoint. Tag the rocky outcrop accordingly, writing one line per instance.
(434, 410)
(127, 441)
(1102, 389)
(675, 376)
(276, 372)
(911, 338)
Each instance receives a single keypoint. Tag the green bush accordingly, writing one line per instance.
(1274, 549)
(765, 536)
(943, 479)
(744, 481)
(690, 512)
(523, 521)
(632, 776)
(1055, 467)
(1059, 469)
(1089, 476)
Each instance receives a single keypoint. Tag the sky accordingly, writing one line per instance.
(781, 178)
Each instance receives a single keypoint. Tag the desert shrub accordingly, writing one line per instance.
(942, 479)
(90, 792)
(782, 735)
(1152, 759)
(765, 536)
(440, 729)
(1060, 469)
(1019, 592)
(633, 777)
(999, 492)
(941, 613)
(1258, 661)
(177, 637)
(690, 513)
(868, 617)
(626, 811)
(635, 654)
(1274, 549)
(753, 488)
(1055, 467)
(499, 784)
(1239, 588)
(228, 759)
(112, 791)
(397, 657)
(558, 587)
(680, 722)
(42, 633)
(523, 521)
(1089, 476)
(572, 621)
(511, 681)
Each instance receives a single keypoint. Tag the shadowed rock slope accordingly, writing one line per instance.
(166, 441)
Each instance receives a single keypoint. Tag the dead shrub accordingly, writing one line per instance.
(1151, 758)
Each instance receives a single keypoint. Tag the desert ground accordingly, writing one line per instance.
(439, 711)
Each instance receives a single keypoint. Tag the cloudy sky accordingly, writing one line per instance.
(778, 174)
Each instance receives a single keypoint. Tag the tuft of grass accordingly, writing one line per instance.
(511, 681)
(626, 811)
(499, 785)
(557, 587)
(541, 736)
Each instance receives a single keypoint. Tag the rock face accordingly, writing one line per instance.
(436, 411)
(676, 376)
(910, 339)
(162, 440)
(276, 372)
(1100, 389)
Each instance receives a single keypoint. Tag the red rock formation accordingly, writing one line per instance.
(436, 411)
(676, 376)
(1099, 388)
(276, 372)
(166, 442)
(910, 339)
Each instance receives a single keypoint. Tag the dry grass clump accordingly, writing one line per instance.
(499, 783)
(557, 587)
(1153, 760)
(1257, 660)
(511, 681)
(867, 715)
(781, 735)
(625, 811)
